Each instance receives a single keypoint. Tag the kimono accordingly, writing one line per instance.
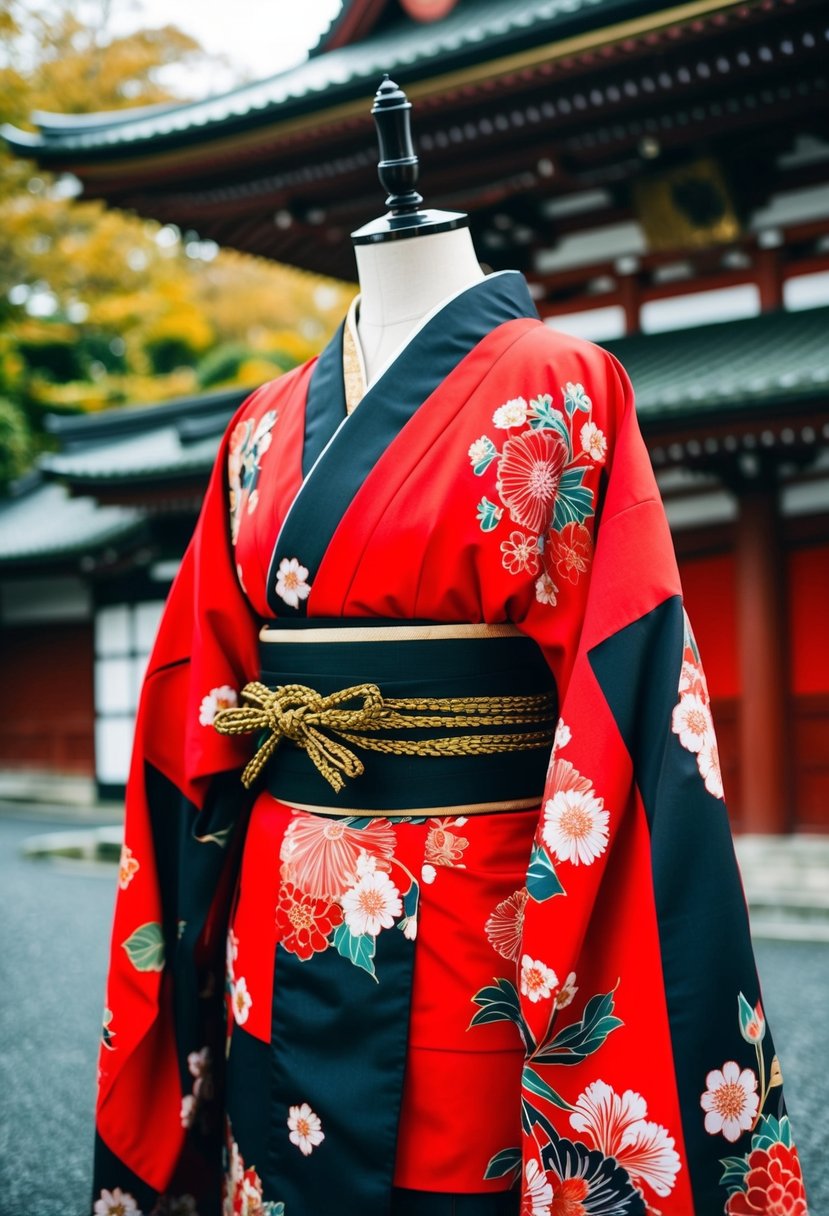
(543, 981)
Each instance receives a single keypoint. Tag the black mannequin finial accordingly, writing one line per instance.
(398, 170)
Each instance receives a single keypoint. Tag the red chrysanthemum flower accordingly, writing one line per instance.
(529, 473)
(570, 550)
(774, 1185)
(304, 921)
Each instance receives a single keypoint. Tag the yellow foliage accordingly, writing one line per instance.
(254, 372)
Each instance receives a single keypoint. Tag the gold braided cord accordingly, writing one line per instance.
(296, 712)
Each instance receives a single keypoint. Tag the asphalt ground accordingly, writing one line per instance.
(55, 923)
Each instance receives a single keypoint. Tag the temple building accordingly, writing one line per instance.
(660, 174)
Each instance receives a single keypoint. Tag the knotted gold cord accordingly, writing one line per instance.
(293, 711)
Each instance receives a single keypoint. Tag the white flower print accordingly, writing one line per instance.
(691, 720)
(568, 992)
(116, 1203)
(546, 592)
(409, 927)
(575, 826)
(241, 1000)
(372, 904)
(306, 1128)
(618, 1125)
(575, 397)
(428, 874)
(593, 442)
(708, 763)
(563, 735)
(512, 413)
(538, 981)
(519, 553)
(223, 697)
(537, 1190)
(292, 582)
(730, 1100)
(127, 867)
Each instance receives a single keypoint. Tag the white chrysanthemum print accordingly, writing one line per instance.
(512, 413)
(223, 697)
(568, 992)
(617, 1125)
(691, 720)
(127, 867)
(292, 582)
(116, 1203)
(241, 1000)
(372, 904)
(546, 592)
(538, 981)
(708, 763)
(730, 1101)
(575, 826)
(305, 1127)
(593, 442)
(537, 1190)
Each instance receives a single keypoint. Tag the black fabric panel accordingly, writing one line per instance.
(248, 1098)
(383, 412)
(707, 957)
(325, 406)
(339, 1041)
(110, 1172)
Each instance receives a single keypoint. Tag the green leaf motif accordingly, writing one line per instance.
(734, 1173)
(489, 516)
(503, 1163)
(145, 947)
(579, 1040)
(747, 1017)
(771, 1131)
(499, 1003)
(542, 880)
(411, 899)
(532, 1083)
(358, 948)
(574, 501)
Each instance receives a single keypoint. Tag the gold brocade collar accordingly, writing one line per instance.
(354, 369)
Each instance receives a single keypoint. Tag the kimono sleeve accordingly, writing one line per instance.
(651, 1082)
(157, 1128)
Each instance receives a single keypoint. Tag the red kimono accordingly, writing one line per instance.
(309, 1004)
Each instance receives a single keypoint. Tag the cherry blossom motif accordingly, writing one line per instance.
(127, 867)
(506, 924)
(305, 921)
(730, 1100)
(538, 981)
(773, 1185)
(292, 582)
(444, 848)
(520, 553)
(593, 442)
(618, 1125)
(223, 697)
(575, 825)
(568, 992)
(571, 549)
(373, 903)
(529, 472)
(231, 954)
(249, 441)
(306, 1128)
(546, 592)
(241, 1000)
(691, 720)
(116, 1203)
(512, 413)
(708, 763)
(538, 1194)
(563, 735)
(481, 453)
(319, 855)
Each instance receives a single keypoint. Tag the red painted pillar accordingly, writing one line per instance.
(761, 626)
